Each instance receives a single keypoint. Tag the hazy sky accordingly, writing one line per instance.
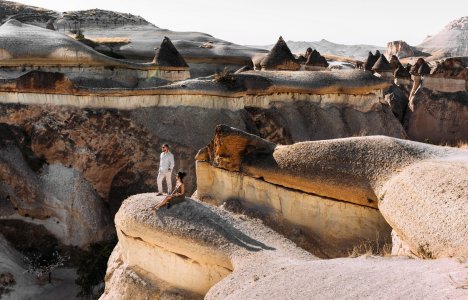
(259, 22)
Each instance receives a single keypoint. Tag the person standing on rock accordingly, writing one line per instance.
(166, 165)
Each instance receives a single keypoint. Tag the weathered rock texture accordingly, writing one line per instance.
(38, 190)
(438, 117)
(105, 143)
(449, 75)
(295, 181)
(228, 256)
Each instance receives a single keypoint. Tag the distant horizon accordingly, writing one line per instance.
(261, 22)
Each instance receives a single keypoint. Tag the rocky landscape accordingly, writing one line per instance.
(322, 156)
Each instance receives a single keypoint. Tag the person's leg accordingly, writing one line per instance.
(160, 179)
(168, 176)
(166, 199)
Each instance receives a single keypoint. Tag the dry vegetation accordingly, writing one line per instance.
(226, 78)
(370, 248)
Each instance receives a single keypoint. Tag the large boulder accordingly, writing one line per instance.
(195, 251)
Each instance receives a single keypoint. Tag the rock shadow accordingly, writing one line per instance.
(202, 218)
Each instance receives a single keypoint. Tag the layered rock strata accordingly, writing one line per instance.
(314, 184)
(55, 51)
(449, 76)
(105, 142)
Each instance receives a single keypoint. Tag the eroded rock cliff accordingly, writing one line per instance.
(105, 143)
(313, 185)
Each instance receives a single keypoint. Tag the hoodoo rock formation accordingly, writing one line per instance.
(338, 177)
(383, 68)
(168, 56)
(402, 76)
(280, 58)
(315, 61)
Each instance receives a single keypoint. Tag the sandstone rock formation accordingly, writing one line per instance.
(402, 76)
(449, 75)
(402, 50)
(105, 143)
(438, 117)
(25, 13)
(395, 62)
(356, 173)
(280, 58)
(195, 249)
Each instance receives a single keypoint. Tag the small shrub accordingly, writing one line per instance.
(79, 35)
(7, 280)
(370, 248)
(42, 263)
(225, 77)
(424, 252)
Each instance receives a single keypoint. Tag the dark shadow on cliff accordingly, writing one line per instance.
(198, 221)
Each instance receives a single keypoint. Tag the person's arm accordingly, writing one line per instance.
(171, 162)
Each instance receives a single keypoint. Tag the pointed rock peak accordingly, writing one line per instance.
(424, 69)
(168, 56)
(280, 57)
(402, 72)
(317, 60)
(371, 59)
(377, 54)
(415, 68)
(394, 62)
(382, 64)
